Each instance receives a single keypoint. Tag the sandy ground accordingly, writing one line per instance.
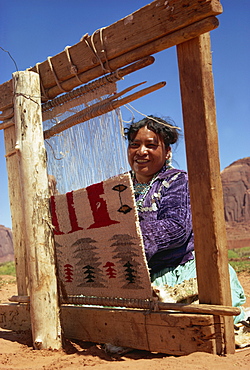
(16, 351)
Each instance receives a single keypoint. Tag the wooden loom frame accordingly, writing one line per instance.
(153, 28)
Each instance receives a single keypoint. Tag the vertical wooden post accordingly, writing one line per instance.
(18, 226)
(199, 113)
(44, 308)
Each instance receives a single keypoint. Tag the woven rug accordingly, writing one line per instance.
(99, 246)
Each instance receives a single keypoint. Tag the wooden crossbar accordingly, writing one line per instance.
(143, 304)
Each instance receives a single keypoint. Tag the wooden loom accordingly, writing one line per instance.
(153, 28)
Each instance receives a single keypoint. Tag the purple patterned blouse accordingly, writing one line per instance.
(166, 220)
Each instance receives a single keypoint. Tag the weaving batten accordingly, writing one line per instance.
(76, 93)
(142, 304)
(102, 108)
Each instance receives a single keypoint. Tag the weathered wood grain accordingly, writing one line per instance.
(39, 241)
(16, 207)
(199, 113)
(164, 332)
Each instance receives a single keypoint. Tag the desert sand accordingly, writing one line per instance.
(16, 351)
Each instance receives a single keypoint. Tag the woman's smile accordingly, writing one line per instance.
(146, 154)
(142, 160)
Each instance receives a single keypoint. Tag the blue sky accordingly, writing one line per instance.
(32, 30)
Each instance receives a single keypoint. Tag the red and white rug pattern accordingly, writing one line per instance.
(99, 245)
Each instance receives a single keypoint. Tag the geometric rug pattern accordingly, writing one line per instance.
(99, 246)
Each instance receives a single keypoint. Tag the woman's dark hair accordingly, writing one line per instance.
(164, 128)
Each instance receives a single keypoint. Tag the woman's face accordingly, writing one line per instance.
(146, 154)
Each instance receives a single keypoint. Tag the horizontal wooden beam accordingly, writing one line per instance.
(164, 332)
(145, 26)
(161, 306)
(153, 47)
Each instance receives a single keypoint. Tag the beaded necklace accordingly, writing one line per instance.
(142, 189)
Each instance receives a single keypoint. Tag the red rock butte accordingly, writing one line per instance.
(6, 245)
(236, 190)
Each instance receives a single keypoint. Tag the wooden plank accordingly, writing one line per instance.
(16, 207)
(157, 332)
(15, 317)
(164, 332)
(153, 47)
(199, 113)
(36, 211)
(147, 25)
(151, 22)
